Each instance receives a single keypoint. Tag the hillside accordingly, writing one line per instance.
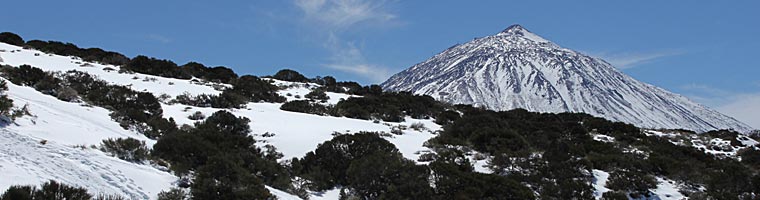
(338, 139)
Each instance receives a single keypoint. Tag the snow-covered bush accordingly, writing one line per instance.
(198, 115)
(317, 94)
(419, 126)
(173, 194)
(67, 94)
(128, 149)
(5, 103)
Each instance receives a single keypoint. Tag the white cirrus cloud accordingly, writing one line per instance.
(337, 15)
(348, 58)
(745, 108)
(631, 60)
(330, 20)
(159, 38)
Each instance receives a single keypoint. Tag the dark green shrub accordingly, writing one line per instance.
(216, 74)
(18, 192)
(224, 178)
(55, 190)
(202, 100)
(89, 54)
(24, 75)
(290, 75)
(221, 135)
(317, 94)
(305, 106)
(328, 164)
(11, 38)
(612, 195)
(128, 149)
(255, 89)
(389, 107)
(6, 104)
(109, 197)
(153, 66)
(173, 194)
(637, 183)
(52, 190)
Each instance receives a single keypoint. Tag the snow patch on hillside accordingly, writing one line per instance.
(667, 190)
(25, 160)
(64, 122)
(16, 56)
(600, 182)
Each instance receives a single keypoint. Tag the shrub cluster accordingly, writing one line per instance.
(252, 89)
(225, 161)
(140, 64)
(306, 106)
(290, 75)
(329, 83)
(636, 184)
(52, 190)
(11, 38)
(140, 111)
(372, 168)
(88, 54)
(244, 89)
(128, 149)
(388, 106)
(164, 68)
(6, 104)
(219, 74)
(318, 95)
(554, 153)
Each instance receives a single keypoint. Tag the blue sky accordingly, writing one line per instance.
(706, 51)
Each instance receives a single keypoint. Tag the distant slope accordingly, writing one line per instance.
(518, 69)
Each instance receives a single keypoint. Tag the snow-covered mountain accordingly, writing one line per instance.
(519, 69)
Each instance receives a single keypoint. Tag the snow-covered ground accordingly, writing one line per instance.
(295, 134)
(714, 146)
(69, 129)
(140, 82)
(599, 182)
(25, 160)
(666, 189)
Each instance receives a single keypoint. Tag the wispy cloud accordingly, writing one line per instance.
(745, 108)
(338, 15)
(705, 89)
(332, 19)
(347, 57)
(631, 60)
(159, 38)
(742, 106)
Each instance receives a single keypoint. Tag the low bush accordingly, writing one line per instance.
(52, 190)
(305, 106)
(128, 149)
(11, 38)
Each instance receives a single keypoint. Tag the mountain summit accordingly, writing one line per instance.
(518, 69)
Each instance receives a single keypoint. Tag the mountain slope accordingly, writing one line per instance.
(518, 69)
(70, 129)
